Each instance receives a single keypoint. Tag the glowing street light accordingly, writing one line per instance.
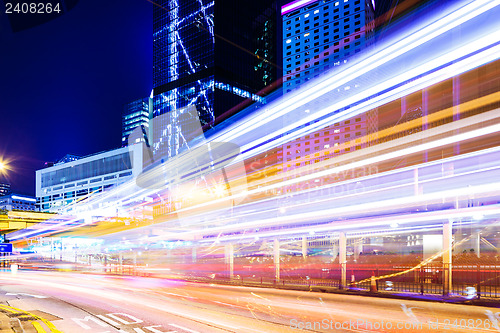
(4, 167)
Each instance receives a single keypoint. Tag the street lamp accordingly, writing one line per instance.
(4, 167)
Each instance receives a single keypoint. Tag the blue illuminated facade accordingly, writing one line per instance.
(204, 55)
(135, 113)
(321, 34)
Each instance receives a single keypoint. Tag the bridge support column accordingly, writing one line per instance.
(343, 260)
(477, 245)
(52, 249)
(304, 247)
(277, 260)
(193, 255)
(447, 256)
(120, 262)
(335, 249)
(358, 248)
(229, 250)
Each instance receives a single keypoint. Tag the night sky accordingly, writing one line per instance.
(63, 83)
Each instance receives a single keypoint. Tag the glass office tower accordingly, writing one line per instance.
(319, 35)
(135, 113)
(204, 55)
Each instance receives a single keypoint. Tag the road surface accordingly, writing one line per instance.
(74, 303)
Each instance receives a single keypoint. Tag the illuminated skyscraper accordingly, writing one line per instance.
(135, 113)
(207, 54)
(319, 35)
(4, 189)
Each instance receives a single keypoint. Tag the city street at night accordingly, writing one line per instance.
(95, 303)
(200, 166)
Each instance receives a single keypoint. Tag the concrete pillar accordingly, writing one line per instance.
(304, 247)
(277, 260)
(52, 255)
(335, 249)
(193, 255)
(477, 245)
(343, 260)
(229, 251)
(447, 256)
(358, 248)
(120, 262)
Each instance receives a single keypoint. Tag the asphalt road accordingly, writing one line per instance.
(74, 303)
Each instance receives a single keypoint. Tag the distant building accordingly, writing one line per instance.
(67, 158)
(135, 114)
(264, 30)
(319, 35)
(14, 201)
(215, 56)
(64, 183)
(4, 189)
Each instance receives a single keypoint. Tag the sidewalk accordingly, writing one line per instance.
(5, 326)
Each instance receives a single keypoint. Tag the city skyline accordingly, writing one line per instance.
(356, 189)
(93, 99)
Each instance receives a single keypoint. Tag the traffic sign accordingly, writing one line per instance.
(5, 247)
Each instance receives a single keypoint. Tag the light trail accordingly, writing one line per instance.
(254, 132)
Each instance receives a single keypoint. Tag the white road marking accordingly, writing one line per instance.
(110, 321)
(88, 318)
(231, 305)
(24, 294)
(154, 330)
(183, 328)
(181, 295)
(123, 321)
(409, 312)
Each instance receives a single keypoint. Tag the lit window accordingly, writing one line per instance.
(288, 41)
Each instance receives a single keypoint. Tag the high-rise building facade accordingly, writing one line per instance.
(135, 114)
(321, 34)
(4, 189)
(206, 54)
(318, 36)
